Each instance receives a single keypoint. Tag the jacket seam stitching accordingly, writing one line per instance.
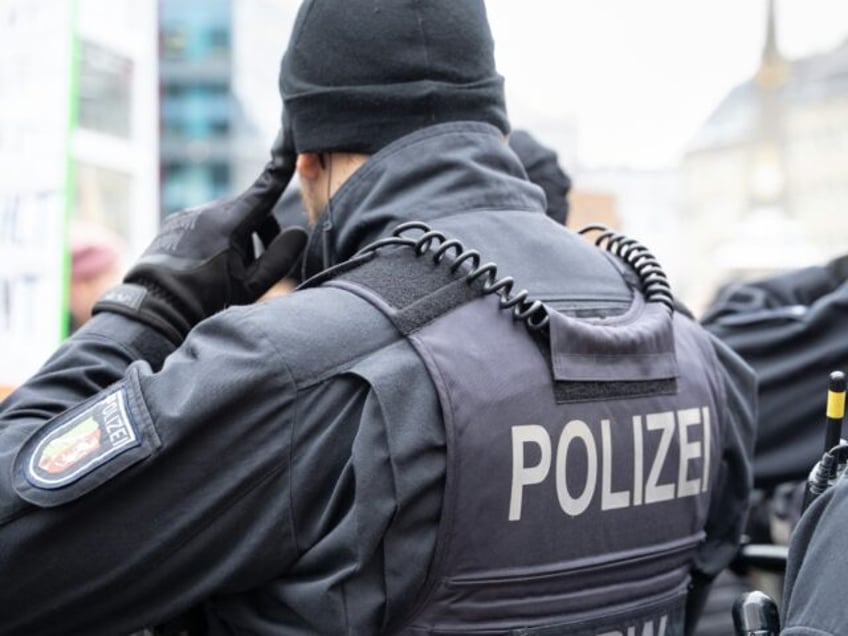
(296, 404)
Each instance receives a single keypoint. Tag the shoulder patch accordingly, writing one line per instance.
(66, 452)
(79, 450)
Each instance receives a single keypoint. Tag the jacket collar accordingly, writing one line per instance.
(434, 172)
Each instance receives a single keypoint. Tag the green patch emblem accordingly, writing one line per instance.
(73, 448)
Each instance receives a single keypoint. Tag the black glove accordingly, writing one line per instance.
(204, 259)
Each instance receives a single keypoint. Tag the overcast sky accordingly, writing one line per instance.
(637, 78)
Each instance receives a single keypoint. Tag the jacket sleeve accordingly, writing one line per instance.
(733, 483)
(127, 491)
(814, 587)
(799, 287)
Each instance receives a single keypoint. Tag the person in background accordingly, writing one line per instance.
(476, 423)
(791, 328)
(97, 255)
(542, 166)
(813, 601)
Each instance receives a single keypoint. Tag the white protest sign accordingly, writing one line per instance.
(36, 100)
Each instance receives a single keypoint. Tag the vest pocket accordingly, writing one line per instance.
(636, 593)
(657, 615)
(665, 556)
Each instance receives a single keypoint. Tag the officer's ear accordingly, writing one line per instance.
(309, 166)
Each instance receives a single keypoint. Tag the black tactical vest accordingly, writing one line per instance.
(580, 455)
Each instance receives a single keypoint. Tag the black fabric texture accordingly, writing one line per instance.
(543, 169)
(359, 74)
(430, 307)
(798, 287)
(372, 202)
(814, 588)
(419, 289)
(566, 391)
(791, 330)
(586, 391)
(402, 276)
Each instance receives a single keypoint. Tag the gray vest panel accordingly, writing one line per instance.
(579, 467)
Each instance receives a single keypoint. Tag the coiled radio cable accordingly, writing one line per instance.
(654, 282)
(533, 312)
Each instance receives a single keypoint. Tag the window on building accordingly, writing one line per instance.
(188, 184)
(195, 30)
(105, 90)
(197, 111)
(172, 43)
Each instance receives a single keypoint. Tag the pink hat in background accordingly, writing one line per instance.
(94, 250)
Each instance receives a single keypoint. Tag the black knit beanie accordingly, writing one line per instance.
(359, 74)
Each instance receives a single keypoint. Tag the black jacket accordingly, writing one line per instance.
(253, 469)
(814, 589)
(791, 329)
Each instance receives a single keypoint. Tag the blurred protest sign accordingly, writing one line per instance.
(37, 102)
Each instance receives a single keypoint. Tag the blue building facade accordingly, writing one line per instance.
(196, 103)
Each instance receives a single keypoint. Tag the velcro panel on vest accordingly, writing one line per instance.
(415, 289)
(592, 361)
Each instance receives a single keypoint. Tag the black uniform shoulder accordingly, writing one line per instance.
(319, 331)
(814, 595)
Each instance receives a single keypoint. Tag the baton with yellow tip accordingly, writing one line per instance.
(835, 409)
(825, 469)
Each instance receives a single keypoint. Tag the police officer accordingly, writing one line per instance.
(409, 443)
(790, 328)
(814, 590)
(799, 314)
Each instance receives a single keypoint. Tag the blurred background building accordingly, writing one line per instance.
(78, 103)
(218, 65)
(643, 203)
(114, 150)
(765, 180)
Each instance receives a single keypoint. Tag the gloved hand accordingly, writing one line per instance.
(203, 258)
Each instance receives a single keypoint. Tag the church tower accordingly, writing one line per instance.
(767, 169)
